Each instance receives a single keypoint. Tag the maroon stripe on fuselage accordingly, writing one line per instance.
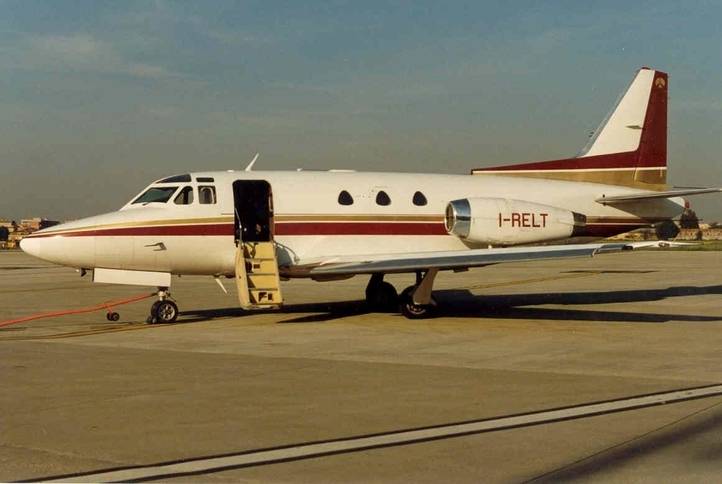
(317, 228)
(359, 228)
(181, 230)
(616, 160)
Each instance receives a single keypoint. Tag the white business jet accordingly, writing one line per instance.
(261, 227)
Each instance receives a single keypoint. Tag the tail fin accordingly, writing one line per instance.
(629, 148)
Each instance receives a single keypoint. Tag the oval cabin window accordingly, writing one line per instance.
(419, 199)
(345, 198)
(382, 198)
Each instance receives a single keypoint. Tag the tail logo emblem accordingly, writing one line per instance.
(660, 82)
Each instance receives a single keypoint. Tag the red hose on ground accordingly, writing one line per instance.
(105, 305)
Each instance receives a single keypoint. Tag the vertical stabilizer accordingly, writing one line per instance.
(629, 148)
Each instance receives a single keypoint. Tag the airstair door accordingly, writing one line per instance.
(257, 277)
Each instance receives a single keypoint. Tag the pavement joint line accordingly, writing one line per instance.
(205, 465)
(620, 445)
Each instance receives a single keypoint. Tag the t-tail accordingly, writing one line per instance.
(628, 149)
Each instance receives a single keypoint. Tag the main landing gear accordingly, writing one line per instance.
(164, 310)
(381, 296)
(416, 301)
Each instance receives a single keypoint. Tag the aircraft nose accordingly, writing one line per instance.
(58, 246)
(30, 246)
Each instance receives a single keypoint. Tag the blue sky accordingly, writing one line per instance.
(100, 98)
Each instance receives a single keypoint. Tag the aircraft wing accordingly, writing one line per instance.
(637, 197)
(461, 259)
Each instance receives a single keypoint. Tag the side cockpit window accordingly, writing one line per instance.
(184, 197)
(156, 195)
(207, 194)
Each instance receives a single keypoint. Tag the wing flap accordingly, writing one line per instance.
(637, 197)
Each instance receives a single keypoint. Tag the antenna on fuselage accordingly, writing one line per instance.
(253, 161)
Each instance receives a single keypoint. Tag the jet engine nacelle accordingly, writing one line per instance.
(501, 221)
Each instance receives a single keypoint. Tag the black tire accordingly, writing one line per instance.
(382, 297)
(152, 319)
(112, 316)
(410, 309)
(165, 311)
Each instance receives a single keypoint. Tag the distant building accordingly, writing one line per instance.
(31, 223)
(36, 223)
(8, 224)
(16, 232)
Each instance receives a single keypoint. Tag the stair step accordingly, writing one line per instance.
(260, 257)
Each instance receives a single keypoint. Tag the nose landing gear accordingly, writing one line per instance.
(164, 310)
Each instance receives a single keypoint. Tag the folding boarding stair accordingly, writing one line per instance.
(257, 275)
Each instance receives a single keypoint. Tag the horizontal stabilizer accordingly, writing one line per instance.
(637, 197)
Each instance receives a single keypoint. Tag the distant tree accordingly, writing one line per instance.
(689, 219)
(4, 233)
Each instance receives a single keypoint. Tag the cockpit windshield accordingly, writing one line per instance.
(156, 195)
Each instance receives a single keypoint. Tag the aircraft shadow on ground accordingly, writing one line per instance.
(463, 304)
(328, 312)
(681, 436)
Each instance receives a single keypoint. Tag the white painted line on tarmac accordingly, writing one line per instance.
(401, 437)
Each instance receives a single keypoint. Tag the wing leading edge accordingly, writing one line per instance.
(397, 263)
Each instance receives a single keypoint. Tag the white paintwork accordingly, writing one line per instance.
(133, 278)
(615, 134)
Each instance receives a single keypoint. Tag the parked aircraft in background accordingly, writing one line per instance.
(263, 226)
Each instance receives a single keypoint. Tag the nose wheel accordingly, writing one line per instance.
(164, 310)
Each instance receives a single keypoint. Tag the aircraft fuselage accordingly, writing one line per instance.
(313, 221)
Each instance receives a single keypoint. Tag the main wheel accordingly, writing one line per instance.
(112, 316)
(382, 297)
(412, 310)
(164, 311)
